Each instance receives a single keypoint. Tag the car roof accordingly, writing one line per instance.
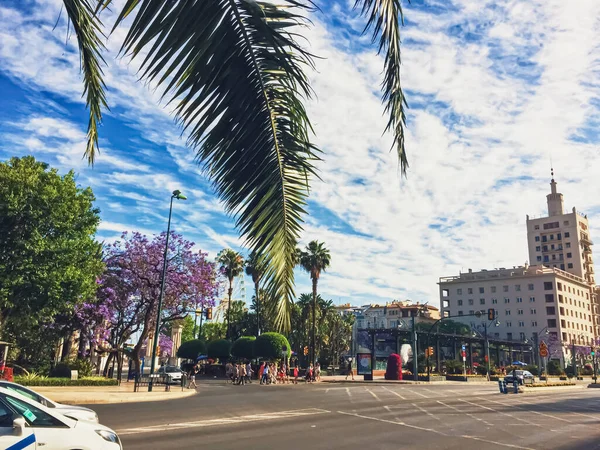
(27, 388)
(53, 413)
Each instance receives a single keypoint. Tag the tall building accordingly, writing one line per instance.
(561, 240)
(554, 299)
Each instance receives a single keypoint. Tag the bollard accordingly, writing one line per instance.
(516, 386)
(183, 381)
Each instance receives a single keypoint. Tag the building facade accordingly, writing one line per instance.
(554, 299)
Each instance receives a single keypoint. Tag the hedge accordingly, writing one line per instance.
(536, 385)
(243, 347)
(220, 348)
(270, 346)
(191, 349)
(92, 381)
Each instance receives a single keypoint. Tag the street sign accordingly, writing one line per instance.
(543, 350)
(464, 348)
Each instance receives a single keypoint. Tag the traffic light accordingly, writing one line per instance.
(208, 313)
(593, 351)
(305, 351)
(429, 352)
(491, 314)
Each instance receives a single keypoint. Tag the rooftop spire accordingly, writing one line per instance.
(555, 199)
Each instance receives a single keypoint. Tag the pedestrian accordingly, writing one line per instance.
(318, 372)
(265, 375)
(229, 371)
(248, 372)
(309, 374)
(193, 373)
(261, 371)
(236, 374)
(349, 370)
(296, 374)
(242, 374)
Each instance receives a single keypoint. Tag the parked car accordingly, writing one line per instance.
(173, 373)
(522, 376)
(74, 412)
(25, 423)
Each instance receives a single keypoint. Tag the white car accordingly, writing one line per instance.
(174, 373)
(27, 424)
(74, 412)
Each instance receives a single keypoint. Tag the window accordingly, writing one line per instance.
(536, 227)
(522, 336)
(517, 287)
(470, 290)
(544, 239)
(539, 259)
(567, 234)
(560, 298)
(530, 286)
(460, 303)
(552, 247)
(519, 299)
(538, 248)
(551, 237)
(506, 300)
(531, 299)
(482, 301)
(459, 291)
(566, 222)
(569, 255)
(6, 417)
(494, 301)
(537, 239)
(505, 288)
(508, 335)
(520, 312)
(554, 258)
(546, 259)
(563, 323)
(493, 289)
(481, 290)
(460, 313)
(570, 265)
(521, 324)
(509, 324)
(507, 312)
(551, 323)
(559, 236)
(549, 298)
(562, 266)
(34, 416)
(550, 311)
(470, 301)
(534, 324)
(568, 245)
(562, 311)
(548, 286)
(533, 311)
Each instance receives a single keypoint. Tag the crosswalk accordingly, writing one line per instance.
(401, 393)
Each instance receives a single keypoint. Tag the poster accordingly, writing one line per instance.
(363, 364)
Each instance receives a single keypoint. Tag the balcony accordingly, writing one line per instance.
(586, 239)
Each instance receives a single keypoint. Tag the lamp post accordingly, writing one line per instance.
(179, 196)
(536, 348)
(487, 346)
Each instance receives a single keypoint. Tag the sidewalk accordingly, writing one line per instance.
(73, 395)
(358, 379)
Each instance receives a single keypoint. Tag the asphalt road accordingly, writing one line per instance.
(331, 416)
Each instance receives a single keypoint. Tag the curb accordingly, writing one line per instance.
(130, 397)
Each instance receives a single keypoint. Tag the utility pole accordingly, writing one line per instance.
(415, 351)
(487, 350)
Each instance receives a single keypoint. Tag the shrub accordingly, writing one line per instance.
(61, 370)
(394, 367)
(481, 370)
(270, 346)
(570, 371)
(243, 347)
(554, 368)
(533, 369)
(86, 381)
(191, 349)
(220, 348)
(453, 366)
(84, 367)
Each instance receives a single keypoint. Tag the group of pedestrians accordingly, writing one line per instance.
(239, 373)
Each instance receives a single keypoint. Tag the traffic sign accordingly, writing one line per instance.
(543, 349)
(464, 348)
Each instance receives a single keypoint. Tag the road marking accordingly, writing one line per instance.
(418, 393)
(435, 394)
(373, 394)
(224, 421)
(348, 392)
(466, 413)
(512, 416)
(431, 430)
(563, 411)
(516, 405)
(393, 392)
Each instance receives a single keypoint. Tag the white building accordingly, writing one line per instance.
(554, 300)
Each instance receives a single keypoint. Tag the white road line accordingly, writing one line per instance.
(562, 410)
(466, 413)
(515, 405)
(418, 393)
(373, 394)
(348, 392)
(511, 416)
(393, 392)
(435, 393)
(224, 421)
(443, 422)
(431, 430)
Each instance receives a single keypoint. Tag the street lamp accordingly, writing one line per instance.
(179, 196)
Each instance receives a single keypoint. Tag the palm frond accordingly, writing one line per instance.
(88, 30)
(234, 72)
(384, 17)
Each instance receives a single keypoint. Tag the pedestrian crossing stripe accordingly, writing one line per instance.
(23, 443)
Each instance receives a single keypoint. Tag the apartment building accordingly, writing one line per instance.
(394, 314)
(554, 298)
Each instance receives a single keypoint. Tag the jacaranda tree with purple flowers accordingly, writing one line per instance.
(130, 286)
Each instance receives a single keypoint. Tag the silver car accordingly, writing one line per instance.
(522, 377)
(74, 412)
(173, 373)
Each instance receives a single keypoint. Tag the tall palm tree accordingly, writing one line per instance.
(255, 269)
(234, 71)
(232, 264)
(315, 258)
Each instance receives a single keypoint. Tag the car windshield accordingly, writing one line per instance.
(172, 369)
(35, 417)
(518, 372)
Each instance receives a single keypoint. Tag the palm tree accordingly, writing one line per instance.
(255, 269)
(235, 73)
(314, 259)
(232, 264)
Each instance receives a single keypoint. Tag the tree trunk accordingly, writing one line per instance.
(66, 348)
(256, 287)
(314, 308)
(107, 365)
(229, 293)
(81, 348)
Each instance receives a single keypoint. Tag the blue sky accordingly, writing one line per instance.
(497, 90)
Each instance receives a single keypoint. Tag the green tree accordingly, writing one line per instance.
(314, 260)
(255, 269)
(49, 259)
(232, 264)
(240, 321)
(212, 331)
(219, 349)
(270, 346)
(243, 347)
(191, 349)
(236, 74)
